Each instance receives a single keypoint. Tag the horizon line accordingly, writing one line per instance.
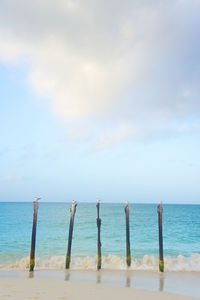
(94, 202)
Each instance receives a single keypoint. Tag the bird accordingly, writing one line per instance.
(36, 199)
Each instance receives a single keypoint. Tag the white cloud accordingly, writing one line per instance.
(186, 93)
(115, 137)
(190, 128)
(108, 61)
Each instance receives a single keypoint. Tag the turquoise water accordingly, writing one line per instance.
(181, 234)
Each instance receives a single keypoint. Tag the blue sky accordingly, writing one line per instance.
(94, 106)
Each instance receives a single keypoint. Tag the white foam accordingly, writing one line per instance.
(180, 263)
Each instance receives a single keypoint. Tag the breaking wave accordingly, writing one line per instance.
(111, 262)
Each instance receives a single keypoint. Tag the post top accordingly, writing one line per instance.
(73, 207)
(160, 208)
(36, 199)
(98, 203)
(127, 204)
(127, 207)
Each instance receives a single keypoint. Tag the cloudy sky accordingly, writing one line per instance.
(100, 99)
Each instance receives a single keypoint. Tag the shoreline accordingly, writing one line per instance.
(176, 283)
(109, 262)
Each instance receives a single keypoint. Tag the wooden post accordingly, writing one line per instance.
(99, 237)
(33, 241)
(161, 260)
(128, 251)
(71, 225)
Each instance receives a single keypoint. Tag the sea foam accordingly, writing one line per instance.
(110, 262)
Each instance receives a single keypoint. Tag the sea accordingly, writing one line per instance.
(181, 236)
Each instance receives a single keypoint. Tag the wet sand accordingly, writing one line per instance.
(45, 284)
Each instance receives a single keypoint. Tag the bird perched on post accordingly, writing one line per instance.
(36, 199)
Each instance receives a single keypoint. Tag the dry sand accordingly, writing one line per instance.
(56, 289)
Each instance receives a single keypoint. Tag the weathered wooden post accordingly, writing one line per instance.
(71, 225)
(128, 251)
(33, 241)
(99, 237)
(161, 260)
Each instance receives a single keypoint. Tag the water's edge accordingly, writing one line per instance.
(182, 283)
(110, 262)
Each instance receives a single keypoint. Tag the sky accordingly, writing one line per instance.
(100, 99)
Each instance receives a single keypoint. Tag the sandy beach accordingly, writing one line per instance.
(43, 289)
(88, 285)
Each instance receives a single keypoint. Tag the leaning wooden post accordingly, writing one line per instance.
(128, 251)
(99, 237)
(33, 241)
(161, 260)
(71, 225)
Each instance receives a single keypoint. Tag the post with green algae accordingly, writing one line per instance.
(33, 240)
(161, 259)
(99, 237)
(71, 225)
(128, 251)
